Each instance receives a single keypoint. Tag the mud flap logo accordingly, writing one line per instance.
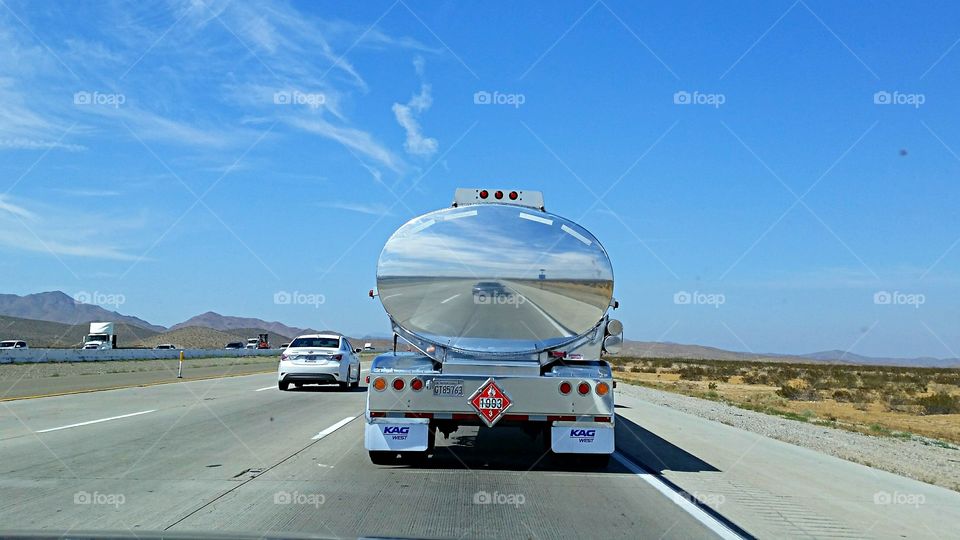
(396, 433)
(583, 435)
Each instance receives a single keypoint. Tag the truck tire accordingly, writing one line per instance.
(383, 458)
(282, 385)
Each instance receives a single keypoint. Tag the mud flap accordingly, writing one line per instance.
(581, 438)
(400, 435)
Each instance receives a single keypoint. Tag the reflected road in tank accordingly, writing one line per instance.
(494, 278)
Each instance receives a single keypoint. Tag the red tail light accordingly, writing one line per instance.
(565, 387)
(498, 194)
(513, 195)
(484, 194)
(398, 384)
(416, 385)
(338, 357)
(583, 388)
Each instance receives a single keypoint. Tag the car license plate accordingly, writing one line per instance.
(449, 388)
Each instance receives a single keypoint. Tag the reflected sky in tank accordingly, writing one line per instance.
(494, 278)
(495, 242)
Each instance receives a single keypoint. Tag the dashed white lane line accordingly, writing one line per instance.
(265, 388)
(95, 421)
(707, 520)
(333, 428)
(451, 298)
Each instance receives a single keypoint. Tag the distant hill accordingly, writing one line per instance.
(227, 323)
(198, 337)
(653, 349)
(850, 358)
(52, 334)
(56, 306)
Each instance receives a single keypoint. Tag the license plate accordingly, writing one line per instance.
(448, 388)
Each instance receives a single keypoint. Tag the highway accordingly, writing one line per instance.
(236, 454)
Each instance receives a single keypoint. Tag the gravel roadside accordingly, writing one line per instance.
(919, 458)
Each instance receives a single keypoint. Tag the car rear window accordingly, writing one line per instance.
(7, 343)
(332, 343)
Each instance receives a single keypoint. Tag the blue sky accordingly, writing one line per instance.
(766, 176)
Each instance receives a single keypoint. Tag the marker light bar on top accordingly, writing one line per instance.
(518, 197)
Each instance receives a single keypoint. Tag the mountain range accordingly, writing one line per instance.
(31, 317)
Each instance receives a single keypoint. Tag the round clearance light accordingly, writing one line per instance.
(565, 388)
(583, 388)
(498, 194)
(416, 385)
(379, 384)
(614, 327)
(398, 384)
(513, 195)
(484, 194)
(602, 388)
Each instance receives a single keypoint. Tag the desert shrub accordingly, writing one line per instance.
(756, 377)
(691, 373)
(712, 386)
(798, 394)
(843, 396)
(940, 403)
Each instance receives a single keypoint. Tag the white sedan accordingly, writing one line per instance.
(319, 359)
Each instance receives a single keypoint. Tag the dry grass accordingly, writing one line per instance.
(879, 400)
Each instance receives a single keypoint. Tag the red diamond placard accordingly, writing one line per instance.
(490, 401)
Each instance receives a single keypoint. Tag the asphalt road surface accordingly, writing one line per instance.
(236, 454)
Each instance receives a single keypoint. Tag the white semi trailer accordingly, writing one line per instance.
(101, 336)
(505, 306)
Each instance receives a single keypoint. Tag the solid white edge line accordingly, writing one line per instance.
(333, 428)
(451, 298)
(695, 511)
(95, 421)
(265, 388)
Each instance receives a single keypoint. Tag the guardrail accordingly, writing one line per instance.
(77, 355)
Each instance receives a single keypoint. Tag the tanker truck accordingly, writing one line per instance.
(504, 307)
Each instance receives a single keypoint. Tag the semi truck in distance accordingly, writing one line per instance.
(101, 337)
(505, 307)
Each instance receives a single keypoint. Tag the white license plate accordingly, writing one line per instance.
(450, 388)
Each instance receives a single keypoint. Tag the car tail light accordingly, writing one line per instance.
(513, 195)
(367, 379)
(565, 387)
(583, 388)
(416, 384)
(337, 357)
(498, 194)
(398, 384)
(484, 194)
(379, 384)
(602, 388)
(558, 354)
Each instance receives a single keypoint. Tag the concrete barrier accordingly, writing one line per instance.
(77, 355)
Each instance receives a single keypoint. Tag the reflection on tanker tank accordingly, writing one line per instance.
(494, 278)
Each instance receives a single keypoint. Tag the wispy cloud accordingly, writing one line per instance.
(61, 231)
(406, 115)
(357, 139)
(373, 209)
